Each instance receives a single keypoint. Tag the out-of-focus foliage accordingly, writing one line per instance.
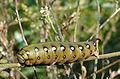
(36, 24)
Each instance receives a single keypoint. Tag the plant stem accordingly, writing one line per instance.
(20, 25)
(75, 30)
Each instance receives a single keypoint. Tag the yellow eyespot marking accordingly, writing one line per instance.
(72, 48)
(88, 46)
(45, 49)
(62, 48)
(80, 47)
(36, 49)
(54, 48)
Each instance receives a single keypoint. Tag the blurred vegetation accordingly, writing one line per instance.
(37, 21)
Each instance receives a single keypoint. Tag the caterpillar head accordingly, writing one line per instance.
(26, 56)
(22, 56)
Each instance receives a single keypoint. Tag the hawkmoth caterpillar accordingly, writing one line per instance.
(56, 52)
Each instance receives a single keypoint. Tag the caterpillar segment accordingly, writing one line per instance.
(48, 53)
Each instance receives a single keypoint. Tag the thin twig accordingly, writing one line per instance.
(75, 30)
(35, 72)
(117, 61)
(10, 65)
(20, 25)
(18, 17)
(109, 55)
(2, 61)
(52, 25)
(105, 23)
(60, 33)
(46, 32)
(97, 30)
(83, 69)
(71, 70)
(116, 4)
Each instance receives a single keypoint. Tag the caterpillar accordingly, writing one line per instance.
(47, 53)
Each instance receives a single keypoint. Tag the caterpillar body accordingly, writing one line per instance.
(56, 52)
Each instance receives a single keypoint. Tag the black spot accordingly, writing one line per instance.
(48, 57)
(38, 58)
(45, 49)
(55, 48)
(80, 47)
(83, 54)
(72, 48)
(95, 49)
(88, 46)
(74, 56)
(36, 49)
(56, 57)
(90, 51)
(62, 47)
(64, 56)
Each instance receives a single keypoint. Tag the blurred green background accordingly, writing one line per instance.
(37, 25)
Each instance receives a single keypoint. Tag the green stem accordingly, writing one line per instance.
(75, 30)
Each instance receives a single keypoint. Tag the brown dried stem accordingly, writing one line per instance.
(20, 25)
(109, 55)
